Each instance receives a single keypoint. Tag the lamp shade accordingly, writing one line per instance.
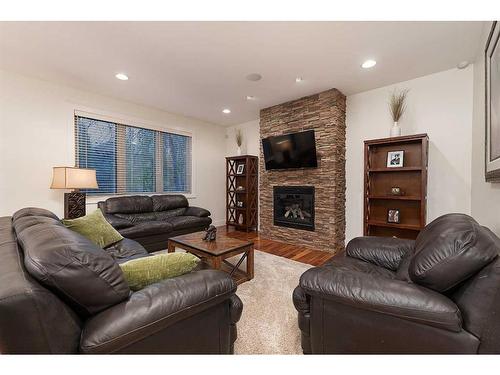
(73, 178)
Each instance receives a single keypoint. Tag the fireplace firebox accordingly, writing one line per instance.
(294, 207)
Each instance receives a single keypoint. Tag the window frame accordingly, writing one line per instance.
(120, 119)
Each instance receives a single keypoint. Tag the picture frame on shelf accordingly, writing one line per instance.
(240, 169)
(393, 216)
(395, 159)
(396, 190)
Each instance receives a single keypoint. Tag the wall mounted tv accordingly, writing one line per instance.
(296, 150)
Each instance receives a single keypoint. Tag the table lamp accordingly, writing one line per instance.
(74, 178)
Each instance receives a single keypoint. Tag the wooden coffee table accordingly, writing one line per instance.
(217, 252)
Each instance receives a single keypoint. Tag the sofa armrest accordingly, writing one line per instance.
(385, 252)
(382, 295)
(155, 308)
(196, 211)
(118, 222)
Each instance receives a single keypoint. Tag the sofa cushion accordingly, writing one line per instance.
(162, 215)
(145, 271)
(83, 274)
(94, 227)
(130, 204)
(34, 211)
(187, 222)
(451, 249)
(117, 222)
(169, 202)
(135, 218)
(126, 249)
(147, 229)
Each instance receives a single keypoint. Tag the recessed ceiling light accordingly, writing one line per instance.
(463, 64)
(226, 111)
(121, 76)
(254, 77)
(369, 64)
(299, 79)
(250, 97)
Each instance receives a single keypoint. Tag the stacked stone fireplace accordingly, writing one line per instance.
(306, 206)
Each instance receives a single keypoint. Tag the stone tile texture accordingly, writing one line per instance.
(325, 114)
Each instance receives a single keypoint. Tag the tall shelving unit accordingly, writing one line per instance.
(242, 187)
(411, 178)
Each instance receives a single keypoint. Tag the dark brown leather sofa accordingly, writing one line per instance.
(151, 221)
(59, 293)
(438, 294)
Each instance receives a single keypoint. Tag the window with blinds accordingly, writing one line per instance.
(130, 159)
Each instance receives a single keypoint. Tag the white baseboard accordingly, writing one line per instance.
(219, 223)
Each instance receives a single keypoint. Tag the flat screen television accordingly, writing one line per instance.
(296, 150)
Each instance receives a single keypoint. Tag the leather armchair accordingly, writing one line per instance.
(389, 295)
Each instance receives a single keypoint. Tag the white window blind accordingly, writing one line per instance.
(129, 159)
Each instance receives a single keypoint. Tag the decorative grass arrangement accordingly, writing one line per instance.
(239, 137)
(397, 104)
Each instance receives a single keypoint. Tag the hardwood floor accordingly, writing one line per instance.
(295, 252)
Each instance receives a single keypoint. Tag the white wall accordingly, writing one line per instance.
(36, 133)
(251, 138)
(485, 195)
(439, 105)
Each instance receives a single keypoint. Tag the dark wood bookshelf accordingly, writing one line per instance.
(411, 178)
(248, 195)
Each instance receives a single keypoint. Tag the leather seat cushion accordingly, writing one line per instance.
(169, 202)
(187, 222)
(348, 264)
(140, 217)
(162, 215)
(147, 229)
(81, 273)
(126, 249)
(451, 249)
(129, 205)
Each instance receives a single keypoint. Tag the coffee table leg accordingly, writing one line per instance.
(171, 247)
(250, 264)
(216, 263)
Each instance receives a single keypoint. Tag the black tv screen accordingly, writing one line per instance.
(296, 150)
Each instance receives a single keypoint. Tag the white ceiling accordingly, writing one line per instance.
(199, 68)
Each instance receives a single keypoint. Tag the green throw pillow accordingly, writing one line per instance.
(95, 227)
(149, 270)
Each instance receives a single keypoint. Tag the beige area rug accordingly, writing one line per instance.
(268, 324)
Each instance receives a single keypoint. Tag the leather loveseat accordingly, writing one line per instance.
(151, 221)
(59, 293)
(438, 294)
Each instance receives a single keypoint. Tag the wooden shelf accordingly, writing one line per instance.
(395, 197)
(395, 169)
(248, 180)
(394, 225)
(410, 178)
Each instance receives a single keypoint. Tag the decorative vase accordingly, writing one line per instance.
(238, 151)
(395, 130)
(240, 219)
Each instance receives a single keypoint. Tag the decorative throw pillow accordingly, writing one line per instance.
(145, 271)
(95, 227)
